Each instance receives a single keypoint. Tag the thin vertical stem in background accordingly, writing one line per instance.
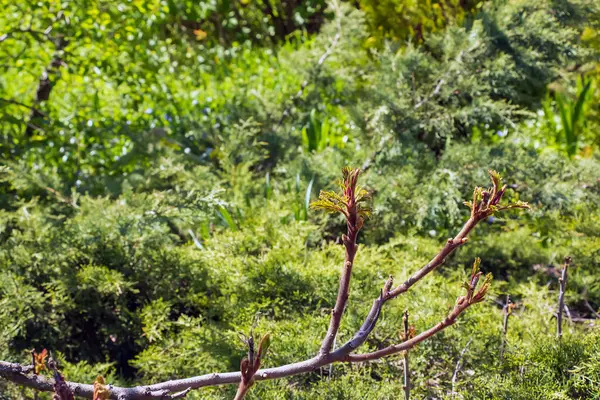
(506, 311)
(458, 366)
(562, 283)
(406, 367)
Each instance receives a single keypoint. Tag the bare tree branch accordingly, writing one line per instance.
(397, 348)
(18, 103)
(592, 310)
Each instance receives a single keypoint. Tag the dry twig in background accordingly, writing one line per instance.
(562, 282)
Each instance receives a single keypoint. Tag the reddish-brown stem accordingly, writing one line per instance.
(353, 225)
(397, 348)
(439, 259)
(241, 392)
(343, 292)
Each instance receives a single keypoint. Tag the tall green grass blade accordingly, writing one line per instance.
(565, 118)
(268, 188)
(307, 198)
(226, 217)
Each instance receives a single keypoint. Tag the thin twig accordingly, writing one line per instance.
(562, 282)
(458, 367)
(61, 198)
(433, 94)
(18, 103)
(506, 311)
(589, 306)
(405, 358)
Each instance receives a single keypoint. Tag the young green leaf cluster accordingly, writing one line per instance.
(352, 202)
(486, 201)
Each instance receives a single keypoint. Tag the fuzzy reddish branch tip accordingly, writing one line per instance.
(351, 203)
(251, 364)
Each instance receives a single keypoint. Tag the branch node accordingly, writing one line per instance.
(181, 394)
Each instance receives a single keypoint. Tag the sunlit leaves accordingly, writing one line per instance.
(101, 391)
(486, 201)
(475, 292)
(352, 201)
(39, 360)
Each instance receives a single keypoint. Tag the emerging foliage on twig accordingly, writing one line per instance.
(486, 202)
(249, 365)
(473, 296)
(351, 202)
(101, 391)
(39, 361)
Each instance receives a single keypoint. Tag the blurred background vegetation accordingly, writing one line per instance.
(158, 158)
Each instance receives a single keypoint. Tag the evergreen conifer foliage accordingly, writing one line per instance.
(352, 202)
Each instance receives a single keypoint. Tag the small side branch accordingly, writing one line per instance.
(433, 94)
(592, 310)
(369, 324)
(473, 295)
(18, 103)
